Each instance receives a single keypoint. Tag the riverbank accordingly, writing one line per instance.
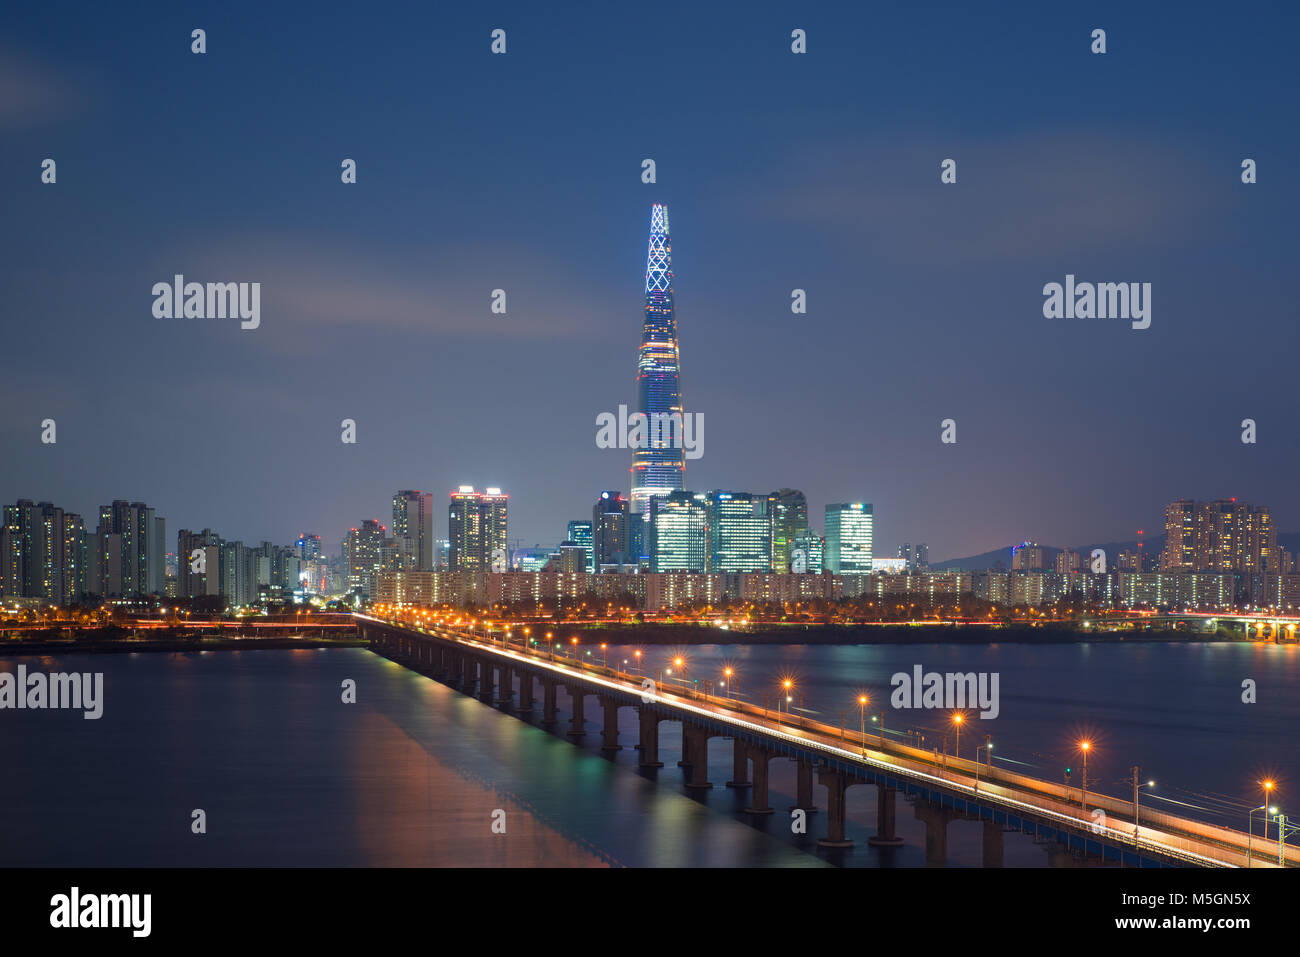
(690, 634)
(52, 646)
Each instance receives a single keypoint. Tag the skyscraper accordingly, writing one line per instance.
(789, 511)
(476, 530)
(740, 532)
(413, 520)
(363, 551)
(609, 530)
(130, 550)
(679, 533)
(848, 538)
(657, 468)
(580, 534)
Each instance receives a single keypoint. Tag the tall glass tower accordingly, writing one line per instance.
(657, 468)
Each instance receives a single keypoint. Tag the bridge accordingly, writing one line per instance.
(942, 788)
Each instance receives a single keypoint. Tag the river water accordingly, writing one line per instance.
(416, 774)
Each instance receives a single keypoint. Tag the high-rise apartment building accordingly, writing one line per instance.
(363, 555)
(1220, 536)
(477, 530)
(42, 553)
(413, 521)
(610, 529)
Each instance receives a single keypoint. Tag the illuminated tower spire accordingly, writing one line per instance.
(657, 467)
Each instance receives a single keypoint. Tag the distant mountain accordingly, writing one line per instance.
(1153, 545)
(988, 559)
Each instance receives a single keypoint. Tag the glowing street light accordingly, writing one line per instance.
(1268, 786)
(1085, 747)
(957, 720)
(862, 709)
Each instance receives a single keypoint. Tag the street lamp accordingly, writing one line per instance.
(637, 653)
(727, 673)
(1268, 791)
(786, 685)
(1136, 788)
(862, 713)
(987, 748)
(957, 720)
(1085, 747)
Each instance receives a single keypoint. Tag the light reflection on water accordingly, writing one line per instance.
(412, 773)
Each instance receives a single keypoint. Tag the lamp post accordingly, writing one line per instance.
(862, 710)
(957, 720)
(1136, 788)
(1085, 747)
(987, 748)
(1268, 790)
(727, 673)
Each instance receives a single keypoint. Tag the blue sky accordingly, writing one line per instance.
(522, 172)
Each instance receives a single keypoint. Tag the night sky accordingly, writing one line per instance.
(523, 172)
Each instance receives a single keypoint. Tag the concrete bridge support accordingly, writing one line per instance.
(992, 844)
(758, 795)
(837, 784)
(804, 789)
(936, 832)
(525, 691)
(609, 740)
(549, 716)
(885, 836)
(695, 741)
(577, 727)
(466, 673)
(485, 679)
(506, 689)
(649, 738)
(739, 764)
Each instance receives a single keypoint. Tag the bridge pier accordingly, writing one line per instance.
(936, 832)
(525, 691)
(610, 733)
(837, 785)
(695, 741)
(549, 716)
(739, 764)
(992, 843)
(506, 689)
(758, 793)
(885, 836)
(649, 738)
(577, 727)
(804, 795)
(466, 673)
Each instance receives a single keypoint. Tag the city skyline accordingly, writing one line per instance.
(922, 304)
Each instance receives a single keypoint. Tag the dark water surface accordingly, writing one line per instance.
(413, 773)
